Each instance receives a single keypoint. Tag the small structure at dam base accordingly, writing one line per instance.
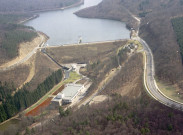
(67, 95)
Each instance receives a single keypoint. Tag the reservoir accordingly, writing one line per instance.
(64, 27)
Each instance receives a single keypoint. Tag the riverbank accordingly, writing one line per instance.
(28, 19)
(54, 9)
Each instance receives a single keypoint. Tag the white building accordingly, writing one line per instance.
(67, 95)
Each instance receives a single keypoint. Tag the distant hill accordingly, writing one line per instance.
(12, 6)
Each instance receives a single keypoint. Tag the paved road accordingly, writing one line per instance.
(149, 80)
(149, 73)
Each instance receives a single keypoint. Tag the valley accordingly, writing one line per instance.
(128, 85)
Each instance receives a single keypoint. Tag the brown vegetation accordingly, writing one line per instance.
(83, 53)
(129, 80)
(101, 58)
(17, 75)
(39, 108)
(109, 9)
(27, 73)
(156, 29)
(43, 68)
(59, 90)
(82, 81)
(120, 115)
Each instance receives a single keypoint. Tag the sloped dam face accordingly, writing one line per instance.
(64, 27)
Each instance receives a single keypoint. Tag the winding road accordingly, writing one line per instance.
(150, 82)
(149, 75)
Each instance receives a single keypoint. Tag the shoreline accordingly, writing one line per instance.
(45, 10)
(129, 21)
(56, 9)
(28, 19)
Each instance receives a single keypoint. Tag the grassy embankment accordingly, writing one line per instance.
(85, 53)
(171, 91)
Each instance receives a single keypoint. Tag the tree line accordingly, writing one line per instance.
(13, 36)
(20, 6)
(11, 105)
(13, 18)
(177, 24)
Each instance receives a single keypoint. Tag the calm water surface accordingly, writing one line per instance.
(63, 27)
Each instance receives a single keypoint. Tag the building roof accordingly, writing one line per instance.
(56, 98)
(71, 90)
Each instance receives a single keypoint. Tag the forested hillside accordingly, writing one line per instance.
(12, 36)
(13, 18)
(12, 104)
(109, 9)
(178, 28)
(119, 116)
(134, 114)
(12, 6)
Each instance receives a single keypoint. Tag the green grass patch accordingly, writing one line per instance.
(170, 91)
(73, 77)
